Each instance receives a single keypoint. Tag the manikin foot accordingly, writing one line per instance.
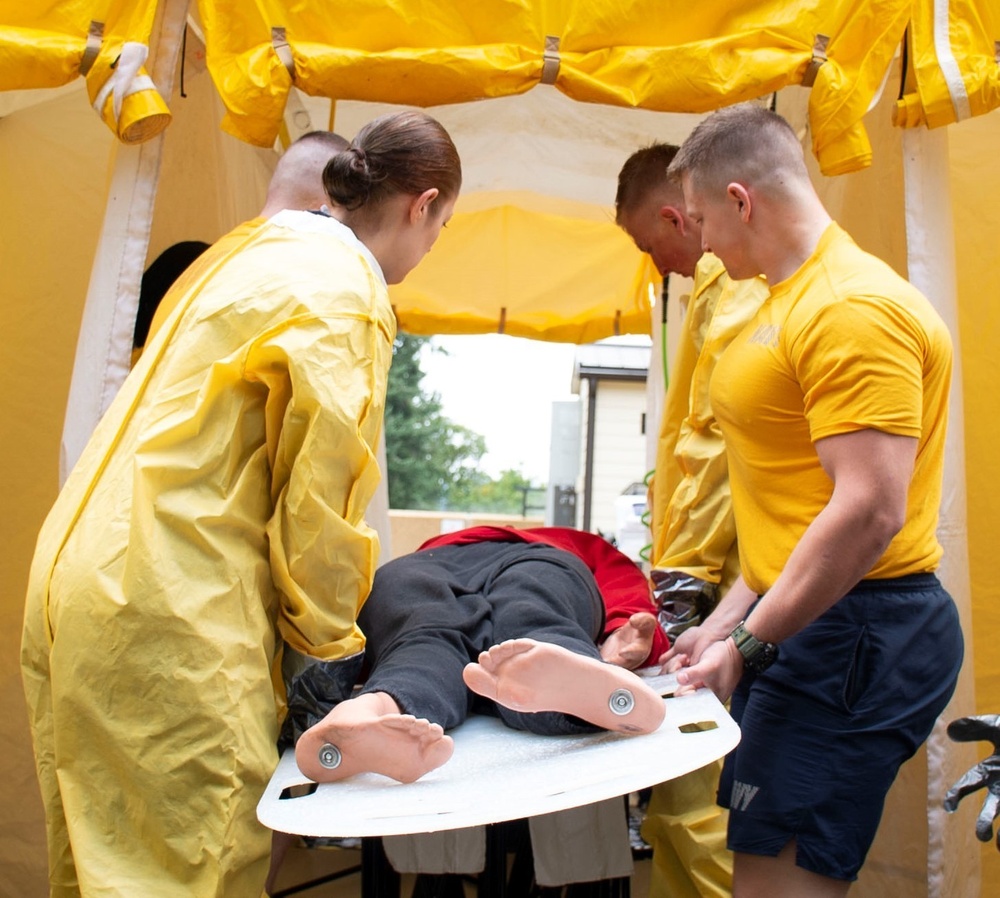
(526, 675)
(368, 734)
(629, 646)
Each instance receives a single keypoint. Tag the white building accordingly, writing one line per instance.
(610, 424)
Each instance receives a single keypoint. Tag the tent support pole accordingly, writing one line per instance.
(930, 239)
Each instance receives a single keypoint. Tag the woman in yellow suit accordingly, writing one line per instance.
(212, 537)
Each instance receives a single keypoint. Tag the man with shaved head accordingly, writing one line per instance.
(837, 643)
(297, 183)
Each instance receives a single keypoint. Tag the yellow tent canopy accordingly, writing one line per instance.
(533, 249)
(654, 54)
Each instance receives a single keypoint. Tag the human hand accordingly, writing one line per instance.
(986, 773)
(686, 649)
(719, 668)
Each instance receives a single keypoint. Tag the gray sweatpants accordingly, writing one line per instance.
(432, 612)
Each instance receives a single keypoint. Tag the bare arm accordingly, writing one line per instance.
(871, 472)
(688, 647)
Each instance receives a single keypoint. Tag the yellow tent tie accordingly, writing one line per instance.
(95, 37)
(819, 57)
(550, 60)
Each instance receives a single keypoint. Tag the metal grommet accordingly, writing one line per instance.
(621, 702)
(330, 756)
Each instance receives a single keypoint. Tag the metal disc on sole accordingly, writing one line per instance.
(330, 756)
(621, 702)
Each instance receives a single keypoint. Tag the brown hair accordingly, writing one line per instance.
(745, 142)
(404, 152)
(644, 170)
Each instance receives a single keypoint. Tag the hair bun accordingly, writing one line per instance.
(359, 161)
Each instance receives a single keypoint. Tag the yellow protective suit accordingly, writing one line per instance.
(217, 509)
(694, 533)
(692, 521)
(217, 250)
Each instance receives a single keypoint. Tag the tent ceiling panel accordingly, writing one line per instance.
(540, 141)
(533, 249)
(666, 55)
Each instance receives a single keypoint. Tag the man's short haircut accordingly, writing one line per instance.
(746, 143)
(642, 172)
(331, 138)
(297, 179)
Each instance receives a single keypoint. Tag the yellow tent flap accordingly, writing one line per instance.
(955, 63)
(48, 45)
(668, 55)
(567, 274)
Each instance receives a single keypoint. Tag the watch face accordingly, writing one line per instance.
(764, 658)
(758, 656)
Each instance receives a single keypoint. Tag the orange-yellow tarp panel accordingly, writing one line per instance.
(975, 180)
(505, 267)
(955, 56)
(45, 44)
(429, 53)
(667, 55)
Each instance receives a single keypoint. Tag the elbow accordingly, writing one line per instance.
(886, 520)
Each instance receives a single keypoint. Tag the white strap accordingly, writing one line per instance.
(125, 79)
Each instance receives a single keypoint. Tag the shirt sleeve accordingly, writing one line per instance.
(859, 362)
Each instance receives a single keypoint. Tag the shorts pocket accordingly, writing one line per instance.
(858, 671)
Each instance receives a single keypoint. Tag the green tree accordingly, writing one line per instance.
(507, 494)
(427, 454)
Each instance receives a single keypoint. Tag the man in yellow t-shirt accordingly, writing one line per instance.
(833, 402)
(694, 536)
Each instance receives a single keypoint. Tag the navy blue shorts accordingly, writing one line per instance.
(826, 728)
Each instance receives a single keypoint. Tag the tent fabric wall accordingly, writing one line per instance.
(53, 164)
(105, 343)
(975, 181)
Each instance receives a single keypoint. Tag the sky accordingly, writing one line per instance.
(503, 388)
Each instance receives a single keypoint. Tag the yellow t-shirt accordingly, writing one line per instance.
(844, 344)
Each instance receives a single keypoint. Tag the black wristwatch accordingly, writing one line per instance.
(757, 655)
